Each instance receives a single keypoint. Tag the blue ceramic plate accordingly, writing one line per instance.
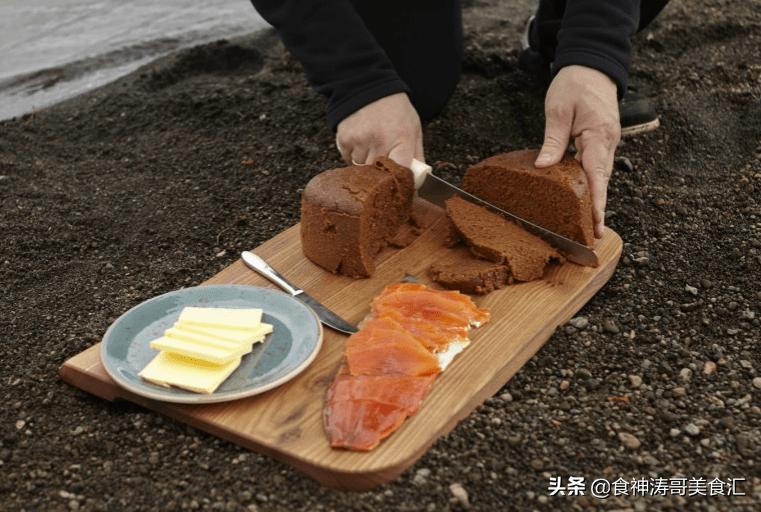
(294, 342)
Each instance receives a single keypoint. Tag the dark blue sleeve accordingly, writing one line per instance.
(341, 58)
(597, 34)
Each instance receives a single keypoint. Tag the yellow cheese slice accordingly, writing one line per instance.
(186, 373)
(234, 335)
(202, 339)
(224, 318)
(202, 351)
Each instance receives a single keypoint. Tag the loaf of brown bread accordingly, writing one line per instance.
(349, 214)
(555, 197)
(490, 236)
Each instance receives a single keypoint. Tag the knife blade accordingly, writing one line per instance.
(325, 315)
(436, 190)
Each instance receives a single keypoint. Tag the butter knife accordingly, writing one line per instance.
(435, 190)
(325, 315)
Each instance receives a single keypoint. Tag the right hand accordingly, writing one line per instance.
(388, 127)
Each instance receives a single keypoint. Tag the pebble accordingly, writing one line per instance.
(580, 322)
(609, 325)
(507, 397)
(757, 382)
(685, 374)
(636, 380)
(691, 289)
(460, 494)
(20, 424)
(679, 391)
(709, 367)
(623, 164)
(514, 440)
(744, 444)
(421, 476)
(692, 429)
(629, 440)
(73, 505)
(564, 384)
(674, 432)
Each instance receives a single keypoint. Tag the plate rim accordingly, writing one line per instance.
(201, 398)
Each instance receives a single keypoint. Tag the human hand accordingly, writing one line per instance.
(388, 127)
(582, 103)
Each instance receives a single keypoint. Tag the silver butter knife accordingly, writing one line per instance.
(325, 315)
(435, 190)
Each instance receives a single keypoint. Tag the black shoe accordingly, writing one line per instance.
(636, 112)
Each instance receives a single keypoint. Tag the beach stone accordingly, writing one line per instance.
(421, 476)
(685, 374)
(692, 429)
(709, 367)
(635, 380)
(757, 382)
(674, 432)
(579, 322)
(460, 494)
(629, 440)
(507, 397)
(564, 384)
(609, 325)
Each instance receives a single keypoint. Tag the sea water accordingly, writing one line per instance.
(51, 50)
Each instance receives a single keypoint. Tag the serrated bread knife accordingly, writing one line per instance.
(325, 315)
(435, 190)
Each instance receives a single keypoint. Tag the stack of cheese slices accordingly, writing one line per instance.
(204, 347)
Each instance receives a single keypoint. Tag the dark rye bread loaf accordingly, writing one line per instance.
(349, 214)
(555, 197)
(492, 237)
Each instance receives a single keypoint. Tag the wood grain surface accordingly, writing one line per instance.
(286, 422)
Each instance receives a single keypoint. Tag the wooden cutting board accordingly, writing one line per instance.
(286, 422)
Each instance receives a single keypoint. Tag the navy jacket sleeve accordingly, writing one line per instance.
(597, 34)
(341, 58)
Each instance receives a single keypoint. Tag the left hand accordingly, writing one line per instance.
(582, 103)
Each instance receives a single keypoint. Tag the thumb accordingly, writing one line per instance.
(402, 154)
(557, 132)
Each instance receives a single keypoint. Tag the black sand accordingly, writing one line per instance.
(159, 180)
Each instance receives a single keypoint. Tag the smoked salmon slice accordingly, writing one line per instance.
(402, 391)
(383, 346)
(361, 424)
(390, 363)
(435, 336)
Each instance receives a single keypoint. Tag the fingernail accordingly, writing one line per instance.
(543, 158)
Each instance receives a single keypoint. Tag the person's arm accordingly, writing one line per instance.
(590, 70)
(340, 56)
(597, 34)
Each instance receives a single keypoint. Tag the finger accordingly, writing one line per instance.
(372, 155)
(359, 155)
(402, 154)
(419, 152)
(597, 160)
(557, 131)
(345, 152)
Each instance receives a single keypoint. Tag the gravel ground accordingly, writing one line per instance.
(158, 180)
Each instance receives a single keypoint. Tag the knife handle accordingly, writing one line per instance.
(262, 267)
(420, 171)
